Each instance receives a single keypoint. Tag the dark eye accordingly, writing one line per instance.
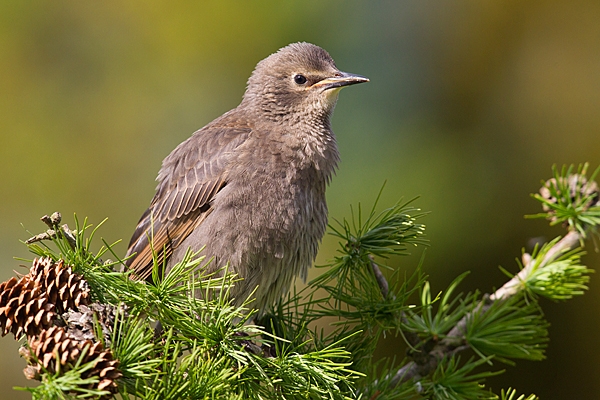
(300, 79)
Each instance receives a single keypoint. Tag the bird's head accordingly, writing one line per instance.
(298, 82)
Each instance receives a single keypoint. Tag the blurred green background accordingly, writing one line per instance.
(469, 105)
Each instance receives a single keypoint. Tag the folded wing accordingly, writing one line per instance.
(188, 181)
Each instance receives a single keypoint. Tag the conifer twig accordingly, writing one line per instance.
(453, 342)
(569, 242)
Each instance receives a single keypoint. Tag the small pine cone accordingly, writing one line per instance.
(64, 289)
(55, 346)
(24, 307)
(105, 368)
(51, 346)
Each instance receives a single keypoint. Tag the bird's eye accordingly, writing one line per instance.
(300, 79)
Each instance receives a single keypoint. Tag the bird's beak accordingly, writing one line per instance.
(343, 79)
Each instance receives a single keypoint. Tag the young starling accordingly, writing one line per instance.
(249, 187)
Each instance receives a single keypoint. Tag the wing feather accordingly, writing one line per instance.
(188, 181)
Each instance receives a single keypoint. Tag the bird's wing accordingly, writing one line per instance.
(189, 179)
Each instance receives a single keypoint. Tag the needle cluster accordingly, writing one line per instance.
(183, 336)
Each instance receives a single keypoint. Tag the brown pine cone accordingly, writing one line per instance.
(54, 347)
(64, 289)
(30, 303)
(24, 307)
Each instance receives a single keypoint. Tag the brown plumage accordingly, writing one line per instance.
(250, 185)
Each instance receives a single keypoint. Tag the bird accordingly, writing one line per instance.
(248, 189)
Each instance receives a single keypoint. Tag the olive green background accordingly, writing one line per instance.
(469, 105)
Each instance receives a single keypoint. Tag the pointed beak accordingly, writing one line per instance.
(340, 80)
